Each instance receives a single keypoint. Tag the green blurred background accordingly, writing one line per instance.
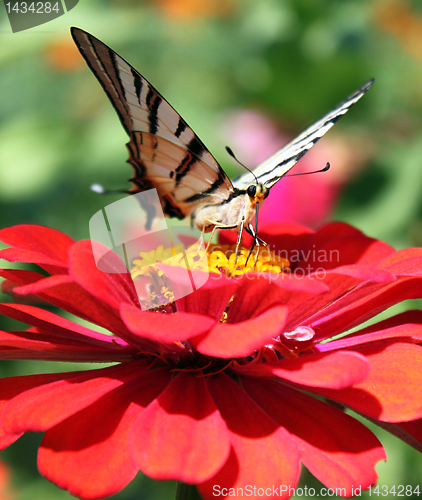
(246, 73)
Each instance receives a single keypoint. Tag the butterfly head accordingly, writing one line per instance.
(257, 192)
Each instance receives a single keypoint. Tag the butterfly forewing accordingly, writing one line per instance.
(164, 151)
(273, 169)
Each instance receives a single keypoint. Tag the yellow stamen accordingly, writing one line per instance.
(221, 259)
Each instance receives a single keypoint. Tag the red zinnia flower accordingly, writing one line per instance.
(218, 404)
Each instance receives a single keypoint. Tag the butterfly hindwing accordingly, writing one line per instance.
(182, 179)
(275, 167)
(164, 151)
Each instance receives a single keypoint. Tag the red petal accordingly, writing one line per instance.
(399, 255)
(255, 295)
(7, 439)
(300, 283)
(42, 284)
(164, 328)
(393, 390)
(344, 244)
(303, 307)
(21, 345)
(407, 325)
(409, 432)
(20, 277)
(335, 447)
(8, 287)
(414, 428)
(407, 262)
(364, 303)
(181, 435)
(263, 454)
(44, 406)
(241, 339)
(60, 327)
(37, 244)
(17, 255)
(334, 231)
(333, 371)
(72, 298)
(12, 386)
(287, 237)
(110, 288)
(365, 273)
(211, 299)
(88, 453)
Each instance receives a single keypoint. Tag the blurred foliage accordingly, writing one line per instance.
(291, 60)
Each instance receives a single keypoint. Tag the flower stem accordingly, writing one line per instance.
(187, 492)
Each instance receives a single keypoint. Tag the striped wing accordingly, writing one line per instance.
(273, 169)
(164, 151)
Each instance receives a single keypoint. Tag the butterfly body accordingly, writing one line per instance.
(239, 206)
(168, 156)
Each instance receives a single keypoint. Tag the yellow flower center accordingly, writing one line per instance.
(220, 259)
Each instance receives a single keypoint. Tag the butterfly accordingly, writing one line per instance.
(167, 155)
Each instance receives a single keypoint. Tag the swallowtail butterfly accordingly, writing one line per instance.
(167, 155)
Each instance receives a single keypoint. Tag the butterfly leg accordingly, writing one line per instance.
(239, 239)
(250, 231)
(256, 243)
(209, 241)
(202, 241)
(217, 225)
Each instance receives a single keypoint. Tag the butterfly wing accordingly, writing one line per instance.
(273, 169)
(164, 151)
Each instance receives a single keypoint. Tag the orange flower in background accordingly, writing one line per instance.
(400, 18)
(6, 492)
(62, 55)
(190, 9)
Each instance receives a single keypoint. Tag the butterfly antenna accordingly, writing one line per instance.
(327, 167)
(240, 163)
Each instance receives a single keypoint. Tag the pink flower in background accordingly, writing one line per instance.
(308, 199)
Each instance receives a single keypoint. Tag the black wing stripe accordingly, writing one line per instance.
(294, 159)
(195, 146)
(153, 102)
(275, 167)
(184, 168)
(181, 126)
(117, 82)
(97, 67)
(216, 184)
(138, 84)
(172, 210)
(195, 149)
(114, 83)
